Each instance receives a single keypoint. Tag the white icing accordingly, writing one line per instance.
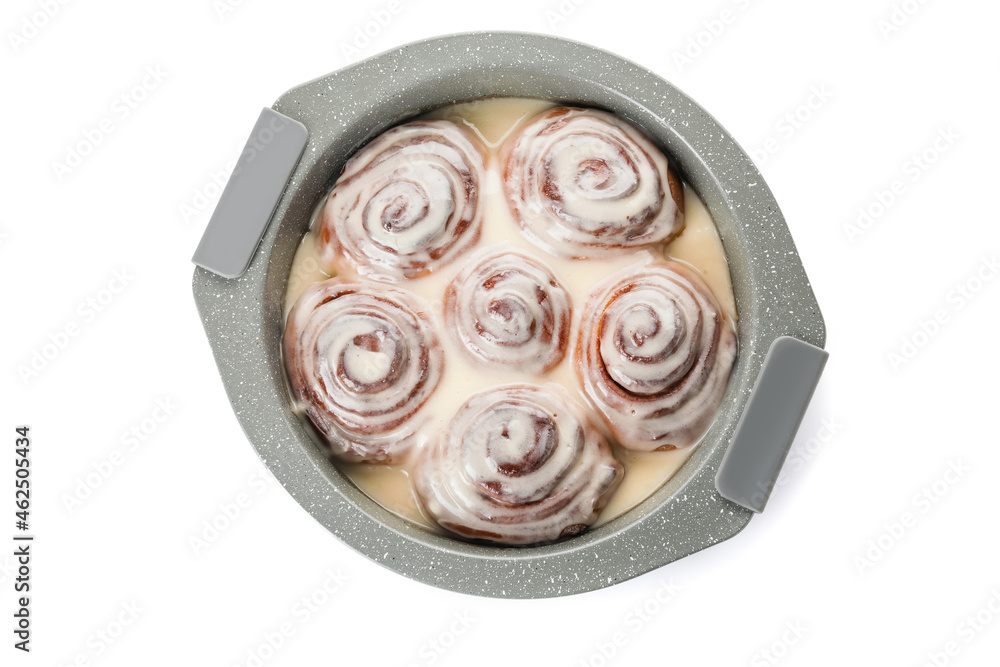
(367, 367)
(655, 355)
(532, 468)
(699, 246)
(505, 307)
(585, 184)
(405, 204)
(367, 361)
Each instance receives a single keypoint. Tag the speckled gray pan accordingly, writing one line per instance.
(340, 112)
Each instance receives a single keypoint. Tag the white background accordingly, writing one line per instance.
(892, 429)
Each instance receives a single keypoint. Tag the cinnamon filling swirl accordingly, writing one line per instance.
(361, 361)
(582, 183)
(654, 356)
(518, 465)
(508, 309)
(406, 204)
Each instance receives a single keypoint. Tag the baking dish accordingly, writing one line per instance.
(295, 152)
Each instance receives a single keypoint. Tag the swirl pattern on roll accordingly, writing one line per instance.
(362, 359)
(584, 183)
(405, 204)
(507, 309)
(654, 355)
(518, 465)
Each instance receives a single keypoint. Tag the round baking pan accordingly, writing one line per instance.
(296, 152)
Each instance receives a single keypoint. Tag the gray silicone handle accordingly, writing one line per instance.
(251, 195)
(770, 420)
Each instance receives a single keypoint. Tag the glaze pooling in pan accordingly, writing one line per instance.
(494, 123)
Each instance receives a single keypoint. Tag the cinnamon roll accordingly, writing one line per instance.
(518, 465)
(361, 361)
(582, 183)
(507, 309)
(654, 355)
(405, 204)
